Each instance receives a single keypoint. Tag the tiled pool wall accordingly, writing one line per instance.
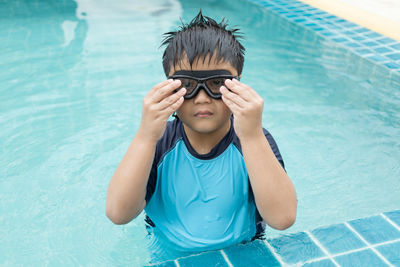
(372, 241)
(357, 39)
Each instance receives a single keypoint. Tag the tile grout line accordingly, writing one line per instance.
(368, 244)
(352, 251)
(315, 240)
(277, 257)
(226, 258)
(316, 259)
(390, 221)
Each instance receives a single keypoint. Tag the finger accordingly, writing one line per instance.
(238, 89)
(158, 86)
(165, 91)
(170, 100)
(174, 107)
(231, 105)
(237, 99)
(248, 88)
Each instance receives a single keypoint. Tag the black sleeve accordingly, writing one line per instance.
(274, 148)
(151, 183)
(171, 134)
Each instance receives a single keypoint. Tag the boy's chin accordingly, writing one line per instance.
(204, 126)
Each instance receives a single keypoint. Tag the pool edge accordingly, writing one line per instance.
(336, 244)
(367, 44)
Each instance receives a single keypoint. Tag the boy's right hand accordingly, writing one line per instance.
(158, 105)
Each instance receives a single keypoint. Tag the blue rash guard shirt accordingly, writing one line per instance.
(202, 202)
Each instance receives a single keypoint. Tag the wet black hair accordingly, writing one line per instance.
(202, 36)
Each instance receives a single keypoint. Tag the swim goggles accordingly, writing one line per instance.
(209, 80)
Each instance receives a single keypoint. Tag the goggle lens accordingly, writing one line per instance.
(213, 84)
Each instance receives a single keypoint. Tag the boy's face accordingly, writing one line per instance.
(203, 114)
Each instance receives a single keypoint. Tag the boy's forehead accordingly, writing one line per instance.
(203, 64)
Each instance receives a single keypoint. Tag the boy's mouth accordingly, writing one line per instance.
(203, 114)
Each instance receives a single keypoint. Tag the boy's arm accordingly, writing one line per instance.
(274, 193)
(127, 189)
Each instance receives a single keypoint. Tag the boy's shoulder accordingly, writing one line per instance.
(172, 134)
(173, 131)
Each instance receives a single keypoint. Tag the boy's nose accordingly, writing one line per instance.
(202, 97)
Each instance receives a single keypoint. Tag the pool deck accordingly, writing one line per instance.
(372, 241)
(380, 16)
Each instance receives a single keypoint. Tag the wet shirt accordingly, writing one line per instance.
(201, 202)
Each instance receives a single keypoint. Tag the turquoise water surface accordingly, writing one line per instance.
(73, 75)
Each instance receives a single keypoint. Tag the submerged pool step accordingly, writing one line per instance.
(371, 241)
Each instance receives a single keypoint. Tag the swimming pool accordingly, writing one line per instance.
(73, 77)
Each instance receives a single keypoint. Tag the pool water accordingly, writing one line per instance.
(73, 75)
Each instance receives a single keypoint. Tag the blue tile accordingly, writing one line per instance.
(364, 51)
(350, 33)
(394, 216)
(303, 6)
(320, 12)
(357, 38)
(318, 29)
(328, 34)
(383, 50)
(394, 56)
(313, 10)
(265, 4)
(324, 22)
(373, 35)
(331, 17)
(278, 9)
(337, 238)
(299, 20)
(349, 24)
(213, 258)
(352, 44)
(396, 46)
(291, 16)
(322, 263)
(361, 30)
(296, 247)
(386, 40)
(375, 229)
(340, 39)
(370, 43)
(378, 58)
(317, 19)
(360, 258)
(251, 254)
(392, 65)
(311, 24)
(333, 26)
(340, 20)
(391, 252)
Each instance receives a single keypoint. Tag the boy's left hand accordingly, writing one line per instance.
(246, 106)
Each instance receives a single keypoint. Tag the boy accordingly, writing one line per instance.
(212, 176)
